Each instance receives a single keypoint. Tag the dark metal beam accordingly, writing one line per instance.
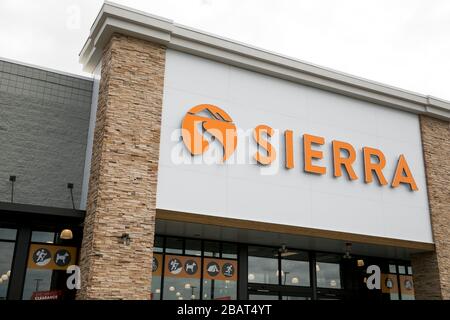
(22, 209)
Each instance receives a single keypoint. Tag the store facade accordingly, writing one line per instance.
(44, 128)
(214, 170)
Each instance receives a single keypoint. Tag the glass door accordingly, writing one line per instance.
(275, 274)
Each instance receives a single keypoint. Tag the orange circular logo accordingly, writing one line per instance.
(207, 118)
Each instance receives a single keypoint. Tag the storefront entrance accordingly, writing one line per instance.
(196, 269)
(37, 245)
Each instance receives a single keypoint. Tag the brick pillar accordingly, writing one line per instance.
(432, 270)
(122, 186)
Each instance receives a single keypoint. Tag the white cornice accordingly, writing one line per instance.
(114, 18)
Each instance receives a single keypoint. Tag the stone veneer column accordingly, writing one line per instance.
(431, 270)
(122, 186)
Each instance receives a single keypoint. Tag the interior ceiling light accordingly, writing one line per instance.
(285, 252)
(66, 234)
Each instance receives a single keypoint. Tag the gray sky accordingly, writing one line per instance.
(404, 43)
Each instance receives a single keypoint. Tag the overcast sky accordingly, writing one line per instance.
(404, 43)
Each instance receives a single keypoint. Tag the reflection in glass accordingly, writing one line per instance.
(36, 281)
(219, 289)
(328, 271)
(181, 288)
(394, 296)
(392, 268)
(408, 297)
(262, 265)
(187, 283)
(43, 236)
(401, 269)
(156, 287)
(295, 269)
(410, 270)
(8, 234)
(46, 280)
(6, 257)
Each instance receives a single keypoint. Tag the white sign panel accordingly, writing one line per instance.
(297, 181)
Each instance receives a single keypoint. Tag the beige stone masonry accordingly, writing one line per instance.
(432, 270)
(123, 178)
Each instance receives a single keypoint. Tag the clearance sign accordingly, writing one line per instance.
(208, 118)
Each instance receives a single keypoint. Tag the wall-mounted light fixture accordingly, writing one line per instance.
(70, 187)
(348, 248)
(125, 239)
(12, 179)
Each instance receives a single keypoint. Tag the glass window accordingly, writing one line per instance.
(328, 271)
(402, 269)
(181, 288)
(392, 268)
(262, 265)
(42, 236)
(156, 288)
(157, 266)
(212, 249)
(410, 270)
(219, 290)
(174, 245)
(159, 244)
(407, 287)
(6, 258)
(177, 272)
(219, 279)
(8, 234)
(193, 247)
(38, 281)
(295, 268)
(181, 278)
(229, 250)
(46, 272)
(408, 297)
(390, 284)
